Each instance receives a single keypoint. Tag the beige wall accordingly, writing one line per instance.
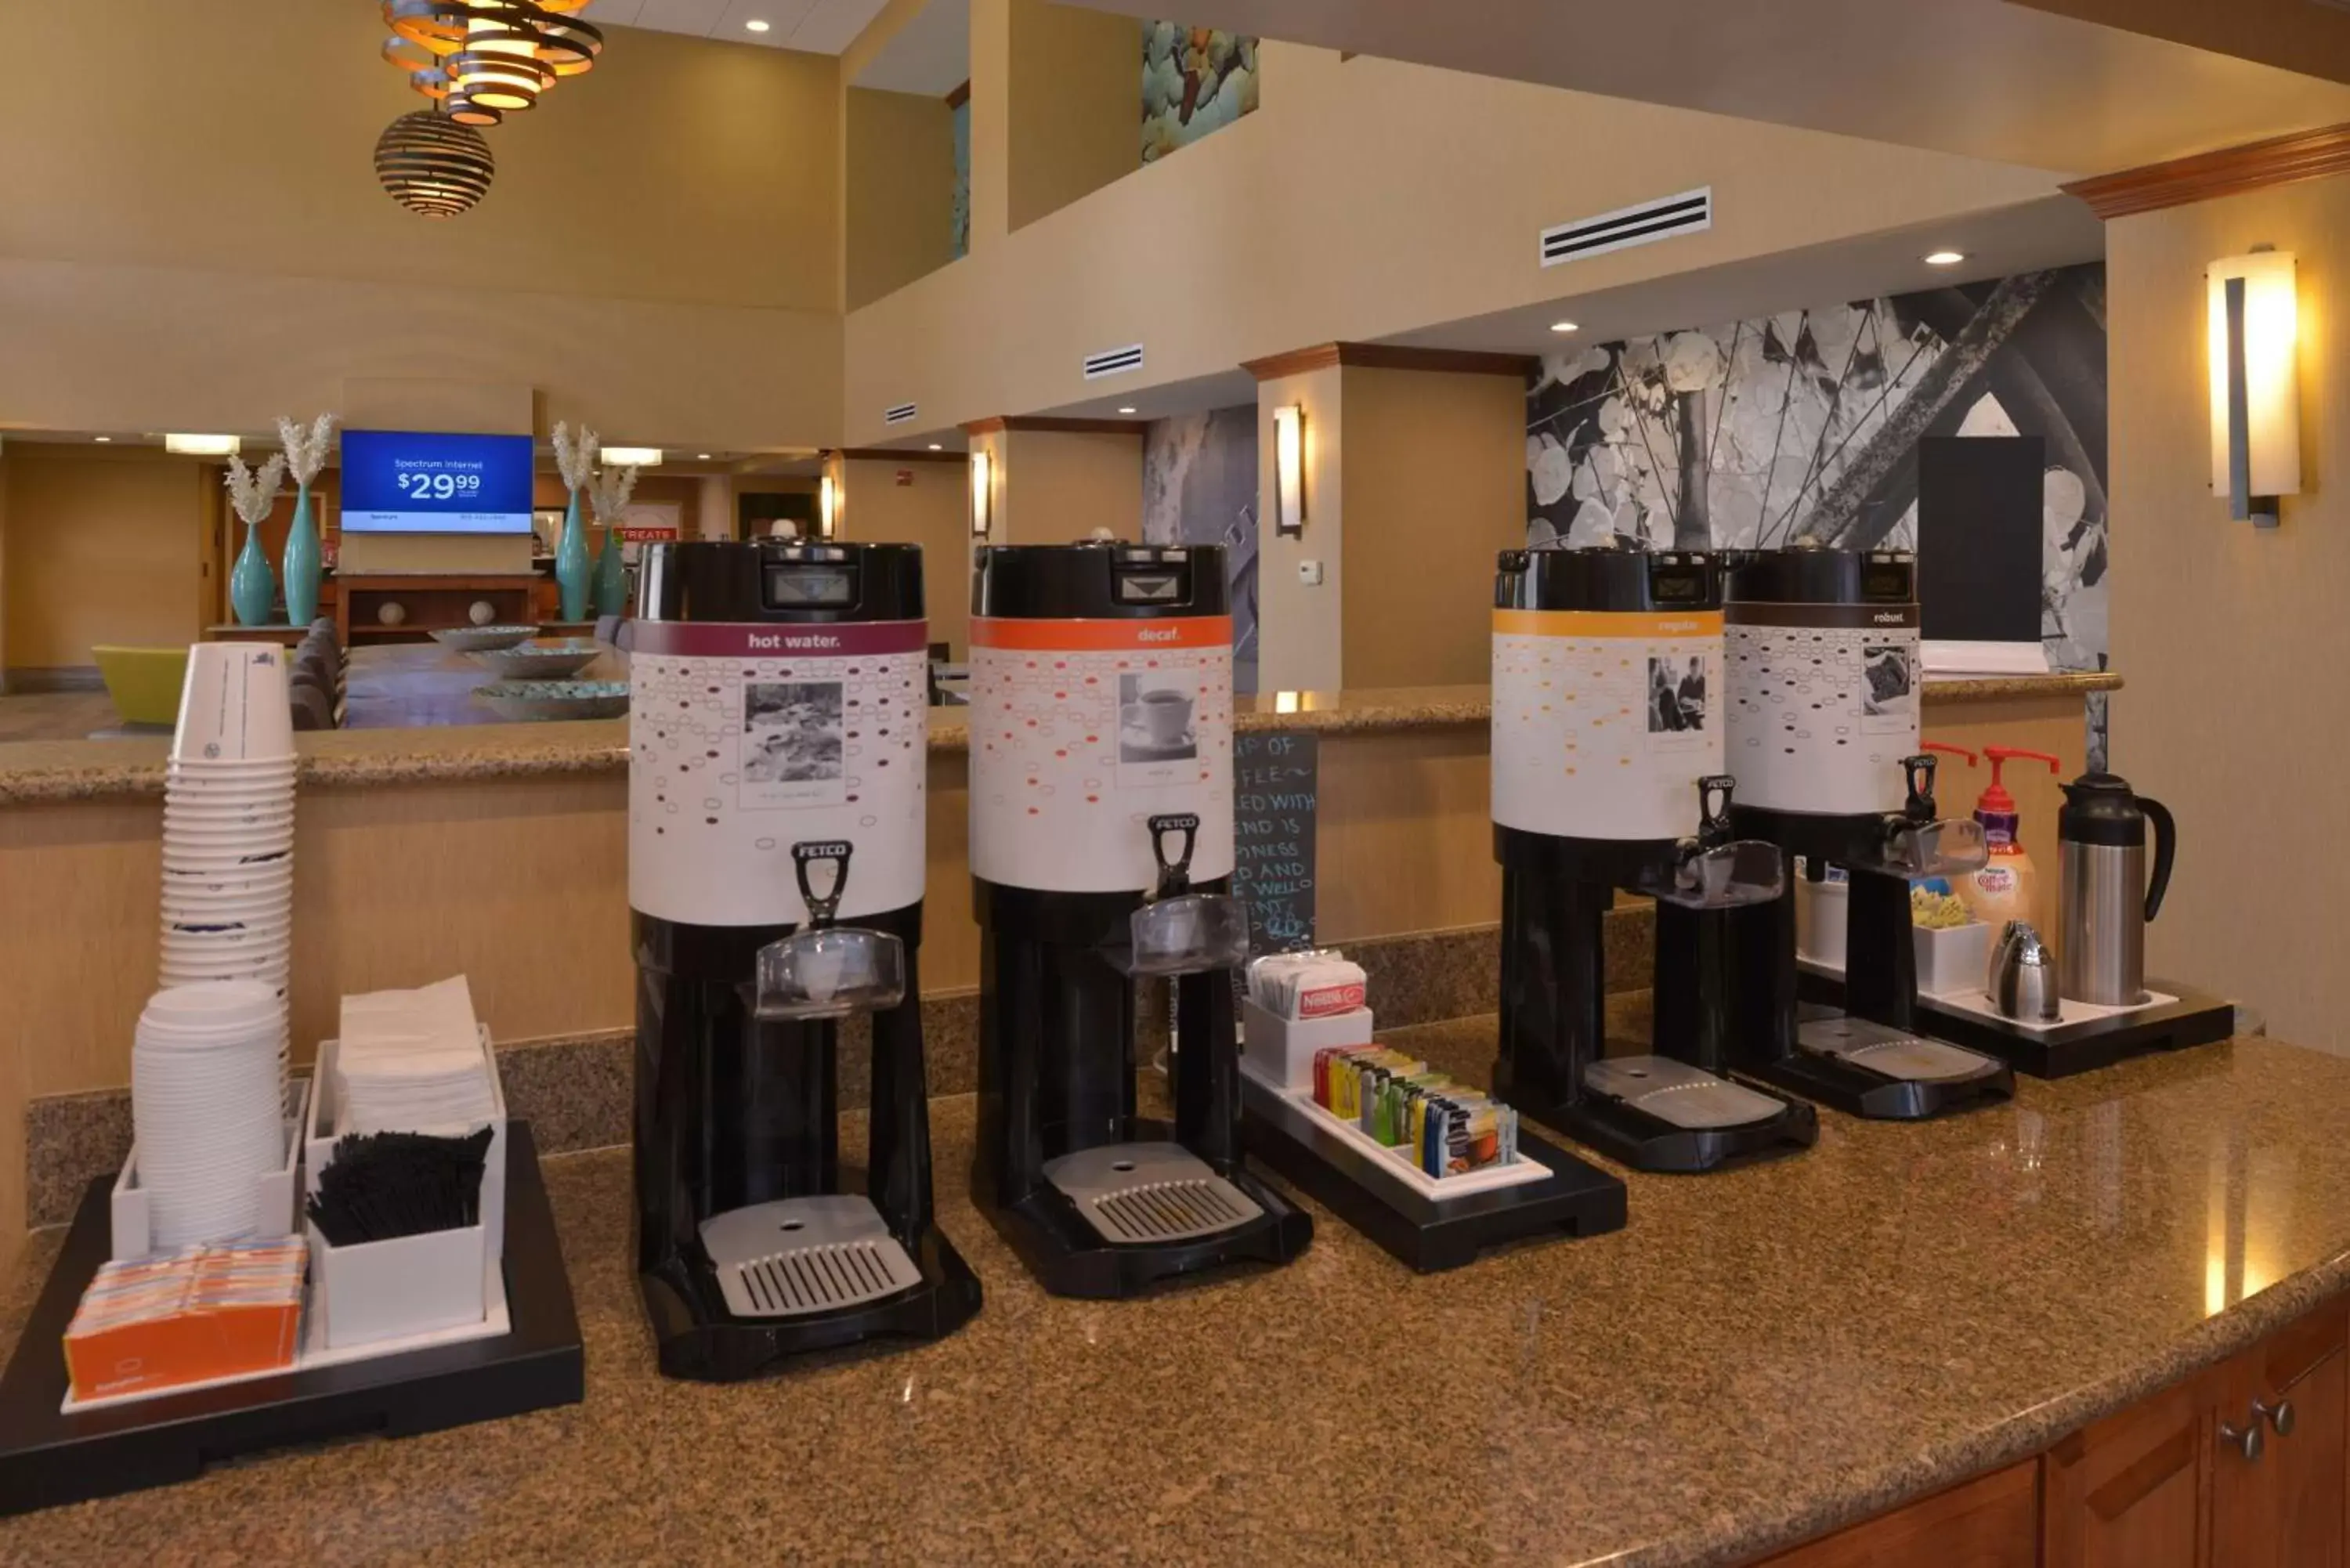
(898, 182)
(1076, 106)
(2230, 637)
(1365, 198)
(1059, 485)
(203, 245)
(1300, 629)
(100, 547)
(932, 510)
(1435, 486)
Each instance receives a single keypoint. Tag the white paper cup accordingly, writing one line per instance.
(235, 704)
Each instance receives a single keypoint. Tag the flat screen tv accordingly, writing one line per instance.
(401, 482)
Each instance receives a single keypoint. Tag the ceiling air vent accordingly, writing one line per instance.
(900, 415)
(1115, 362)
(1687, 214)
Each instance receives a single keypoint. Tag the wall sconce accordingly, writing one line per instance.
(1289, 469)
(827, 506)
(2255, 395)
(982, 492)
(202, 445)
(630, 456)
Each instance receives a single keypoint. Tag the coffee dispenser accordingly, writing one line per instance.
(1101, 853)
(1822, 733)
(1608, 773)
(778, 740)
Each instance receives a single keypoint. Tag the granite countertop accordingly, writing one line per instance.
(1757, 1357)
(37, 771)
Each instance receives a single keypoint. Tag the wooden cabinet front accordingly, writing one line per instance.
(2128, 1491)
(2278, 1502)
(1990, 1521)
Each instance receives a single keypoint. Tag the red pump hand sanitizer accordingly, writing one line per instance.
(2007, 889)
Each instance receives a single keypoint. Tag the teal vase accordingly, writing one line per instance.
(573, 571)
(611, 576)
(252, 591)
(302, 567)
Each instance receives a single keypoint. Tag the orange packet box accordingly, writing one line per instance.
(193, 1346)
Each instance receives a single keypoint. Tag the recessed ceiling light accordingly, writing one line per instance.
(936, 447)
(755, 25)
(1126, 411)
(187, 445)
(1566, 327)
(702, 457)
(104, 440)
(1945, 258)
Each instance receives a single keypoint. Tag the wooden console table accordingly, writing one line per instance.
(435, 602)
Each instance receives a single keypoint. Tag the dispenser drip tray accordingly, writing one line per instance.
(1150, 1192)
(1891, 1053)
(800, 1255)
(1678, 1094)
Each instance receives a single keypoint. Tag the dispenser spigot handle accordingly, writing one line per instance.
(1954, 750)
(822, 908)
(1999, 754)
(1714, 792)
(1918, 773)
(1174, 875)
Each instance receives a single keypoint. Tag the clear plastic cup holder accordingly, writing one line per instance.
(1951, 848)
(830, 973)
(1727, 876)
(1186, 934)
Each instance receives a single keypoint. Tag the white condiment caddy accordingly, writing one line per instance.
(409, 1286)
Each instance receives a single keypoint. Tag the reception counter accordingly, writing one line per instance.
(500, 851)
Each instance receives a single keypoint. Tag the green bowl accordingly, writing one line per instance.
(533, 702)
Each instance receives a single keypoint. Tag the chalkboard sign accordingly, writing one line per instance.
(1273, 781)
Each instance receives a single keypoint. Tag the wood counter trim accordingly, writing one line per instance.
(1390, 357)
(894, 454)
(2282, 159)
(997, 423)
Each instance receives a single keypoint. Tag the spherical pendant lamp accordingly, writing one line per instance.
(434, 166)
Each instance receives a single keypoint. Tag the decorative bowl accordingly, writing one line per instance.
(482, 639)
(529, 702)
(551, 660)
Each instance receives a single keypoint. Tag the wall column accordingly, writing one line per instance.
(1414, 479)
(1058, 480)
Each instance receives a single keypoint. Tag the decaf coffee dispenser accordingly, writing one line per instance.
(1824, 742)
(1101, 852)
(778, 738)
(1607, 765)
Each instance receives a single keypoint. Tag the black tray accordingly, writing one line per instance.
(2194, 1019)
(1430, 1234)
(47, 1456)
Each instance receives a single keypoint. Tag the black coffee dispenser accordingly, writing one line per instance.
(1824, 742)
(778, 743)
(1101, 852)
(1608, 773)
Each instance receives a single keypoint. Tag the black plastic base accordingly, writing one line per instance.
(698, 1339)
(1857, 1092)
(1630, 1135)
(47, 1456)
(2195, 1019)
(1069, 1257)
(1431, 1234)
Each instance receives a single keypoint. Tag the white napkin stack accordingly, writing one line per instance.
(411, 1061)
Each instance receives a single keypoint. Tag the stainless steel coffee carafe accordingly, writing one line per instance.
(2106, 897)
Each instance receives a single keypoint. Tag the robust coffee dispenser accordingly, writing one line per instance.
(1608, 773)
(778, 737)
(1823, 732)
(1101, 851)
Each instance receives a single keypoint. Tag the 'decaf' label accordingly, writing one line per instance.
(1081, 731)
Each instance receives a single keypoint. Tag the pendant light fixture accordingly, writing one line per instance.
(434, 166)
(489, 58)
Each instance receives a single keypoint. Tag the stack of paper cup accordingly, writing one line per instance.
(208, 1107)
(228, 822)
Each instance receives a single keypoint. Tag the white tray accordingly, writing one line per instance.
(1394, 1162)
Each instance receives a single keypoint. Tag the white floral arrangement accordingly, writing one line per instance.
(253, 490)
(306, 452)
(575, 460)
(610, 491)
